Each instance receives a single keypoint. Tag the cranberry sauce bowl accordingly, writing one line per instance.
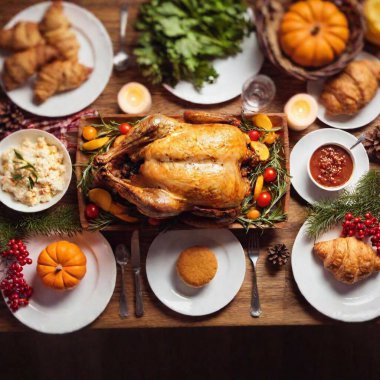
(331, 166)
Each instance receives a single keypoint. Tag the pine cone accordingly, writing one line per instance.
(372, 143)
(278, 254)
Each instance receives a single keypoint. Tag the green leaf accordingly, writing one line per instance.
(17, 177)
(18, 155)
(31, 182)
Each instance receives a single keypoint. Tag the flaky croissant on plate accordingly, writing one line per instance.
(19, 67)
(22, 35)
(348, 259)
(59, 76)
(55, 27)
(352, 89)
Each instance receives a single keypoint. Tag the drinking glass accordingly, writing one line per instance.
(258, 92)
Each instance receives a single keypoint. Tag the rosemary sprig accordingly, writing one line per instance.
(273, 213)
(246, 126)
(327, 213)
(24, 165)
(276, 216)
(102, 221)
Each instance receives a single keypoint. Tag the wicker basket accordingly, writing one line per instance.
(268, 17)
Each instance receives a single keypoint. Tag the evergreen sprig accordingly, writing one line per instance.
(61, 220)
(327, 213)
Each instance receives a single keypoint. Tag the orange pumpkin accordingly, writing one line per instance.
(313, 33)
(61, 265)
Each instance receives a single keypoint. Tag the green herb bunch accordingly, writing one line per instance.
(180, 38)
(274, 213)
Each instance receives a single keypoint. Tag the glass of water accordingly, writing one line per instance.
(258, 92)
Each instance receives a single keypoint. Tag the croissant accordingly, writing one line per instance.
(348, 259)
(59, 76)
(352, 89)
(54, 18)
(55, 28)
(22, 35)
(21, 66)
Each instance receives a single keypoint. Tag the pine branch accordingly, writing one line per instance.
(59, 220)
(62, 220)
(325, 214)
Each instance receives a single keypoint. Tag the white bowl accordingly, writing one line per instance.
(332, 188)
(15, 140)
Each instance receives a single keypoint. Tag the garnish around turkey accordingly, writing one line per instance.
(203, 170)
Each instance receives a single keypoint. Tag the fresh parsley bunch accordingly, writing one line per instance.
(180, 38)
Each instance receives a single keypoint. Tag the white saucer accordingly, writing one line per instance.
(363, 117)
(350, 303)
(58, 312)
(95, 51)
(305, 147)
(171, 291)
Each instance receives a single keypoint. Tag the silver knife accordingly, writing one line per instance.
(136, 266)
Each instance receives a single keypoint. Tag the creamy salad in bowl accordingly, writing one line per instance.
(35, 170)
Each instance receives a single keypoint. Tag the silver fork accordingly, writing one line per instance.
(122, 254)
(253, 254)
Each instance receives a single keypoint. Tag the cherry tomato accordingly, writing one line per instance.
(270, 174)
(125, 128)
(89, 133)
(254, 135)
(264, 199)
(92, 211)
(154, 221)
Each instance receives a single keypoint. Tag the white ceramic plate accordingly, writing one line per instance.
(233, 72)
(58, 312)
(350, 303)
(14, 140)
(305, 147)
(171, 291)
(363, 117)
(95, 51)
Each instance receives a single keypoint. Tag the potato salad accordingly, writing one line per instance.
(33, 172)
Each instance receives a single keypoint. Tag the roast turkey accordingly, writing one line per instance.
(182, 168)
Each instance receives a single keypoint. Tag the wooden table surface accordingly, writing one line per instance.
(281, 302)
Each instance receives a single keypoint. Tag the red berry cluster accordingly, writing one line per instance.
(362, 227)
(13, 285)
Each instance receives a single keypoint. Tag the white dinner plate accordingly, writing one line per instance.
(95, 51)
(300, 155)
(349, 303)
(363, 117)
(58, 312)
(169, 288)
(13, 141)
(233, 72)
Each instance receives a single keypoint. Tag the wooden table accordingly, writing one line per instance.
(282, 303)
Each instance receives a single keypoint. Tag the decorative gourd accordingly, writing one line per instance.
(61, 265)
(313, 33)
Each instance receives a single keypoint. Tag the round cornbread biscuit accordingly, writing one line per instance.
(196, 266)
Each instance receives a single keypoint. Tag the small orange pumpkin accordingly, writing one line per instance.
(313, 33)
(61, 265)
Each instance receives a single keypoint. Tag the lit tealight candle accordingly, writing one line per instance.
(134, 98)
(301, 111)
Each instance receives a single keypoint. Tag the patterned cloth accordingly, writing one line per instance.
(12, 119)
